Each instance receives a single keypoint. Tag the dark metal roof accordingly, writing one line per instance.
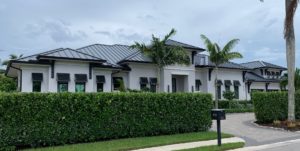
(261, 64)
(229, 65)
(176, 43)
(70, 54)
(112, 53)
(253, 77)
(137, 57)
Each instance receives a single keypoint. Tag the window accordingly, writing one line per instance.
(198, 84)
(62, 87)
(143, 83)
(227, 85)
(236, 85)
(219, 91)
(80, 80)
(219, 84)
(236, 92)
(37, 79)
(100, 79)
(117, 82)
(99, 87)
(36, 86)
(153, 84)
(63, 82)
(79, 87)
(174, 85)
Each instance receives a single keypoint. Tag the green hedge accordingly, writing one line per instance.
(236, 106)
(37, 119)
(270, 106)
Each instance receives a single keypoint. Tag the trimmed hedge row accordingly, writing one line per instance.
(236, 106)
(270, 106)
(43, 119)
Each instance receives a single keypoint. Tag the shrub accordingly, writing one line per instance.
(270, 106)
(236, 106)
(37, 119)
(229, 95)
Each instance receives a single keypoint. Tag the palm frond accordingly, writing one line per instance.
(234, 55)
(169, 35)
(230, 45)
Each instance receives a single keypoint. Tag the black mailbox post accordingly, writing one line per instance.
(218, 114)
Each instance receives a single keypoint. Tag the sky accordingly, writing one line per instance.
(33, 26)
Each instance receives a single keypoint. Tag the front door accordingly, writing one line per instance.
(174, 86)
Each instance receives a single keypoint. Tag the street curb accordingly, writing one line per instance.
(273, 128)
(191, 145)
(267, 146)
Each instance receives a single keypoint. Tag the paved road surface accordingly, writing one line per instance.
(241, 126)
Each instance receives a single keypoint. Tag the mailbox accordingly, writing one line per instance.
(218, 114)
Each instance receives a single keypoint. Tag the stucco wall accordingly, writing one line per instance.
(140, 70)
(71, 68)
(27, 71)
(107, 74)
(227, 74)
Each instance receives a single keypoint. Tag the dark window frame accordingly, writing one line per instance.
(39, 89)
(60, 83)
(236, 92)
(81, 83)
(102, 85)
(198, 84)
(219, 92)
(116, 83)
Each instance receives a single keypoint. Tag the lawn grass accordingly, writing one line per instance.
(135, 143)
(217, 148)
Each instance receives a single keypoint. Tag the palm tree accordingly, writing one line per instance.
(11, 57)
(284, 80)
(219, 56)
(289, 35)
(163, 55)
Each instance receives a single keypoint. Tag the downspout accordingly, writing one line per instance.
(20, 76)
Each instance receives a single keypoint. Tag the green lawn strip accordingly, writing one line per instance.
(224, 147)
(136, 143)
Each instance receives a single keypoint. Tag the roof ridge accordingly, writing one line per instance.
(250, 62)
(87, 54)
(262, 63)
(131, 55)
(110, 45)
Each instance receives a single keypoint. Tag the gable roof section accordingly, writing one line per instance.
(261, 64)
(253, 77)
(184, 45)
(69, 54)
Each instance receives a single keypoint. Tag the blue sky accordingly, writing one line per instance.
(33, 26)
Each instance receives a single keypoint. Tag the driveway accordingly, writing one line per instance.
(241, 125)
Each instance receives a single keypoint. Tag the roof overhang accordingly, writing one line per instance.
(207, 66)
(42, 57)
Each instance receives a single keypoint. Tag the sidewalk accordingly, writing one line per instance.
(191, 145)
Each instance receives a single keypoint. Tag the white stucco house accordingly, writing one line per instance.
(99, 68)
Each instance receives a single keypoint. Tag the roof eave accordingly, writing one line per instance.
(66, 58)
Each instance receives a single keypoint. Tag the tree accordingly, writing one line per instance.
(11, 57)
(163, 55)
(289, 36)
(219, 56)
(284, 80)
(7, 84)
